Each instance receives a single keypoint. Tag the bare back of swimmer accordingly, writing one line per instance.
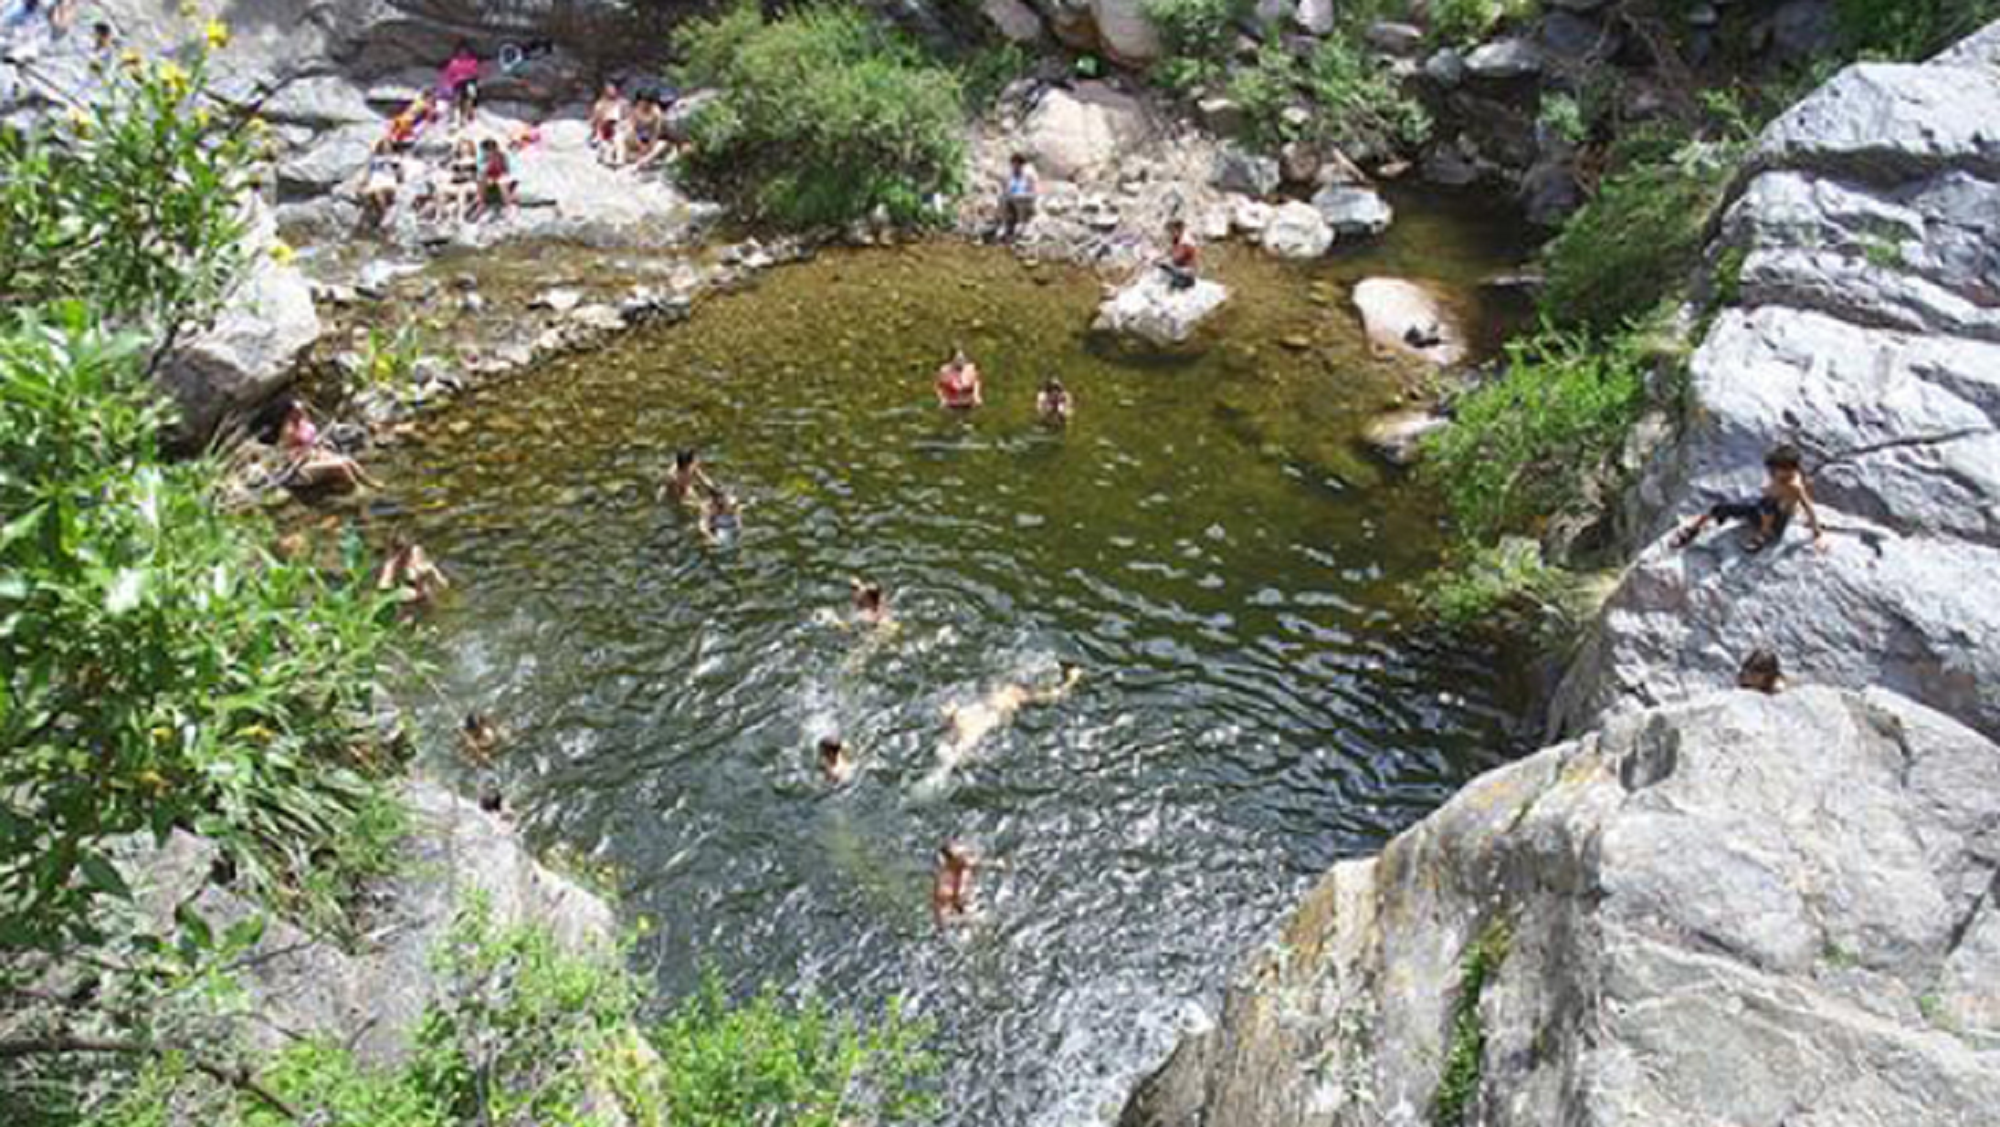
(969, 724)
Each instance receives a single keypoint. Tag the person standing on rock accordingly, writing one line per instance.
(1017, 197)
(1785, 492)
(1183, 257)
(607, 125)
(951, 888)
(497, 187)
(458, 84)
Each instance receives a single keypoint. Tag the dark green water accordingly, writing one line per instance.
(1206, 541)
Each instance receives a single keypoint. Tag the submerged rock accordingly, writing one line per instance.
(1153, 311)
(1703, 914)
(1411, 319)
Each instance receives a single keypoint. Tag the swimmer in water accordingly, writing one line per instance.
(410, 573)
(721, 517)
(480, 737)
(958, 383)
(836, 764)
(951, 889)
(685, 479)
(871, 604)
(1053, 403)
(970, 724)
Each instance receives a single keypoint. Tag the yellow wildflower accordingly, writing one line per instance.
(282, 252)
(201, 117)
(173, 76)
(218, 34)
(129, 59)
(259, 126)
(79, 121)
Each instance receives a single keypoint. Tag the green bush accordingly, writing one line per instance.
(1263, 90)
(1198, 29)
(1467, 21)
(1491, 581)
(161, 669)
(130, 204)
(1358, 101)
(1522, 443)
(824, 117)
(1637, 241)
(1911, 30)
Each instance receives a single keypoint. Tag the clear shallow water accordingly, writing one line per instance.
(1206, 541)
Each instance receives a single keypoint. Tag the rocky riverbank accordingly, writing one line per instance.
(1722, 908)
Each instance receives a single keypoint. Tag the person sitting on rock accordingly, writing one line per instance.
(1017, 198)
(687, 476)
(381, 181)
(461, 191)
(296, 432)
(836, 765)
(406, 127)
(1785, 492)
(1053, 403)
(649, 140)
(607, 125)
(951, 888)
(311, 467)
(497, 187)
(410, 573)
(958, 383)
(1183, 257)
(1761, 673)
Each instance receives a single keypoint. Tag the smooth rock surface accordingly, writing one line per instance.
(1868, 338)
(1351, 211)
(1239, 171)
(1297, 230)
(1014, 19)
(1153, 312)
(1504, 59)
(1738, 910)
(1410, 318)
(1072, 132)
(1124, 31)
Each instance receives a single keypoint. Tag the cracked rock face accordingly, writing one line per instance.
(1742, 909)
(1868, 238)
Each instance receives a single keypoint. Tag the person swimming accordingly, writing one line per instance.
(969, 724)
(958, 383)
(951, 888)
(721, 517)
(871, 604)
(686, 478)
(410, 573)
(1053, 404)
(836, 763)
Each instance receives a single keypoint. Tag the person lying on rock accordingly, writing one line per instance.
(1785, 492)
(1761, 673)
(836, 764)
(406, 127)
(1053, 403)
(1183, 257)
(958, 384)
(497, 187)
(410, 573)
(687, 476)
(1017, 197)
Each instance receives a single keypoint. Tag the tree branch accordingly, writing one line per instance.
(238, 1078)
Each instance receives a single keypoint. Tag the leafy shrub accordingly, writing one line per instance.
(1911, 30)
(1562, 116)
(1636, 242)
(1465, 21)
(824, 116)
(1358, 101)
(1264, 90)
(726, 1066)
(161, 669)
(1522, 442)
(1197, 29)
(131, 204)
(1492, 580)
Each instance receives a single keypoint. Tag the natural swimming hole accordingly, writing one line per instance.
(1260, 695)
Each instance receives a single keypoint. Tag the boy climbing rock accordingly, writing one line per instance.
(1785, 493)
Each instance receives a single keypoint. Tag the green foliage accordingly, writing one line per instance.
(1358, 101)
(161, 670)
(1467, 21)
(726, 1066)
(1523, 442)
(1264, 90)
(1197, 29)
(1637, 241)
(824, 116)
(985, 72)
(1911, 30)
(1562, 115)
(522, 1026)
(1465, 1047)
(131, 204)
(1492, 582)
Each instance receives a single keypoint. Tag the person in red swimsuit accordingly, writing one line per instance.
(958, 385)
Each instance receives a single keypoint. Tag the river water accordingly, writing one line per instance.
(1207, 542)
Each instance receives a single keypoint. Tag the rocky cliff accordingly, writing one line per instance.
(1864, 246)
(1735, 909)
(1739, 910)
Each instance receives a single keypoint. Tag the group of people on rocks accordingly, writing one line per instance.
(630, 132)
(1020, 193)
(477, 177)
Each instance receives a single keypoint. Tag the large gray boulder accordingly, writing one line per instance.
(1125, 33)
(1404, 317)
(245, 356)
(1868, 337)
(1238, 170)
(1154, 313)
(1074, 132)
(1353, 212)
(1013, 19)
(1297, 230)
(1740, 910)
